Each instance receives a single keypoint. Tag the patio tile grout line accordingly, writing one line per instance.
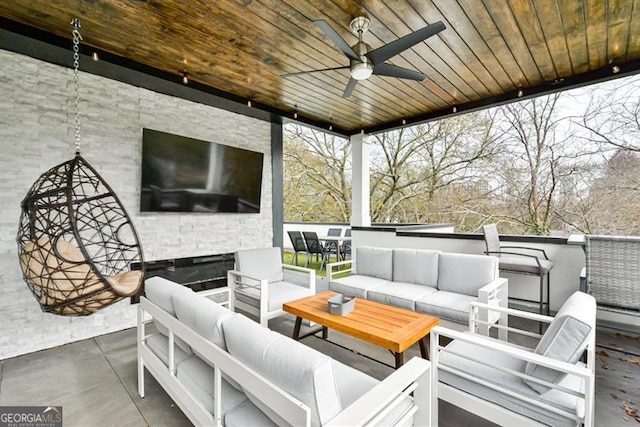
(122, 382)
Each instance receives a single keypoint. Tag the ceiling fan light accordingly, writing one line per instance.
(361, 71)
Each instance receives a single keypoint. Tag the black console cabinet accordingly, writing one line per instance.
(198, 273)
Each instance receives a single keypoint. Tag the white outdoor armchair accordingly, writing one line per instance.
(257, 284)
(513, 385)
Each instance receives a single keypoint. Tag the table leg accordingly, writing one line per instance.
(424, 347)
(399, 359)
(325, 332)
(296, 328)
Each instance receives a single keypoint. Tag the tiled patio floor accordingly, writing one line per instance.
(94, 380)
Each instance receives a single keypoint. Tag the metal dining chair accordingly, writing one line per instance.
(298, 244)
(314, 247)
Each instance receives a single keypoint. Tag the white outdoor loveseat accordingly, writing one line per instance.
(511, 385)
(222, 368)
(437, 283)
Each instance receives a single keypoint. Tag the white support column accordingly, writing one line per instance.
(360, 212)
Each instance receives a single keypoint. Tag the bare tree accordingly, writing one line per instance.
(317, 169)
(412, 165)
(613, 115)
(537, 160)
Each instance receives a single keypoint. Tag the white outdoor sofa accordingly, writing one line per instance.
(512, 385)
(437, 283)
(222, 368)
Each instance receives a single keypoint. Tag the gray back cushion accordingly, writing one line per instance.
(464, 273)
(416, 266)
(159, 291)
(374, 262)
(566, 338)
(301, 371)
(265, 263)
(202, 315)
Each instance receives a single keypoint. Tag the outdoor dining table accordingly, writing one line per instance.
(337, 239)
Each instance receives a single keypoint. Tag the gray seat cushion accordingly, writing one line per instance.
(279, 293)
(514, 385)
(416, 266)
(301, 371)
(197, 376)
(247, 414)
(159, 291)
(374, 262)
(159, 345)
(446, 305)
(356, 285)
(399, 294)
(566, 338)
(526, 265)
(464, 273)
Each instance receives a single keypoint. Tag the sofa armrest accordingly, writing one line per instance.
(586, 374)
(333, 265)
(476, 320)
(311, 272)
(370, 409)
(493, 294)
(235, 278)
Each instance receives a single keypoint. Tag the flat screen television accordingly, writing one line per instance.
(181, 174)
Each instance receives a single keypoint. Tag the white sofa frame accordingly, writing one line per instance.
(491, 411)
(414, 377)
(493, 294)
(236, 279)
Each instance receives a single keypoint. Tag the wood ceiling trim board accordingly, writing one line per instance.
(530, 28)
(505, 22)
(410, 59)
(310, 99)
(466, 35)
(393, 28)
(487, 30)
(553, 30)
(469, 61)
(633, 40)
(572, 17)
(619, 15)
(596, 32)
(427, 54)
(391, 100)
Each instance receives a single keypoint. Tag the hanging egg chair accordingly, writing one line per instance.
(76, 242)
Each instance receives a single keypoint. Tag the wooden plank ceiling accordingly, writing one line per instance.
(489, 51)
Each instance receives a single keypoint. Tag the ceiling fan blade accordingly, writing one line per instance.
(395, 71)
(297, 73)
(349, 89)
(381, 54)
(335, 38)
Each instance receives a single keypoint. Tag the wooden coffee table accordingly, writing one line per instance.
(389, 327)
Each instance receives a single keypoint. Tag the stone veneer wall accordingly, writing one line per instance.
(36, 133)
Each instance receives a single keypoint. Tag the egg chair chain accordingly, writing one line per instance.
(76, 81)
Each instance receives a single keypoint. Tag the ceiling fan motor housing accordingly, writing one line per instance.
(363, 68)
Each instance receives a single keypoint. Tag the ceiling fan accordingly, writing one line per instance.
(364, 61)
